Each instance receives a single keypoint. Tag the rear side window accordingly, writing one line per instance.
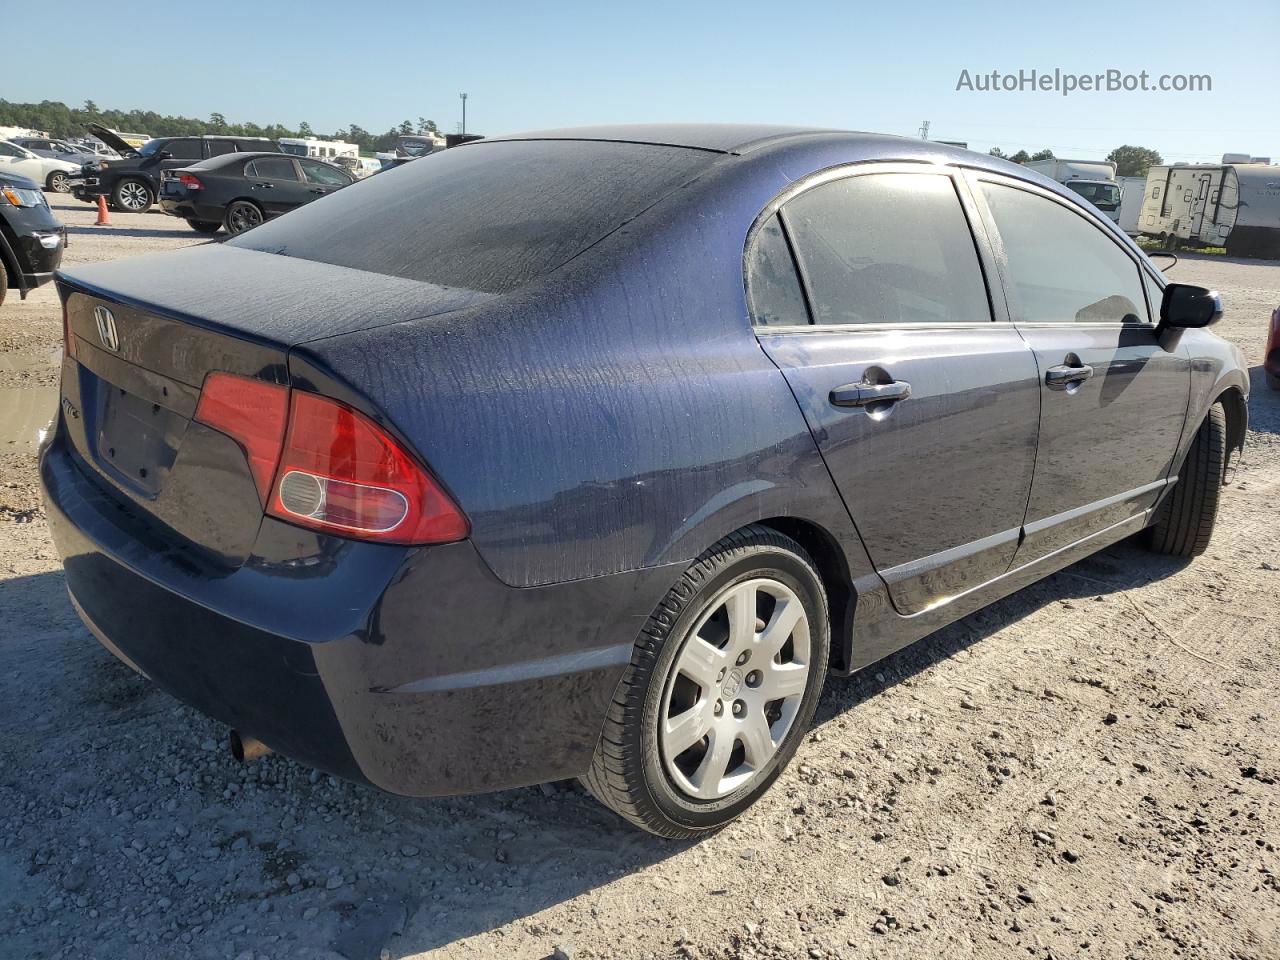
(489, 216)
(772, 283)
(887, 248)
(218, 147)
(1062, 269)
(271, 168)
(183, 149)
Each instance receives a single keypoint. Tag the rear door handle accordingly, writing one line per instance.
(864, 394)
(1064, 375)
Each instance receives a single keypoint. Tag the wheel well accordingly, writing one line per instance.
(834, 571)
(1233, 405)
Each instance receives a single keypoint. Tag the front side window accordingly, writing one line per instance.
(323, 174)
(1061, 267)
(772, 283)
(887, 248)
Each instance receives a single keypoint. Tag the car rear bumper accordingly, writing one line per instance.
(415, 670)
(188, 209)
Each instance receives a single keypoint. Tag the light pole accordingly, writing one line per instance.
(464, 113)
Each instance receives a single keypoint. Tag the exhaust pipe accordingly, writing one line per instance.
(245, 748)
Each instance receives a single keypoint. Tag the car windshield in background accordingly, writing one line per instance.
(1102, 195)
(490, 216)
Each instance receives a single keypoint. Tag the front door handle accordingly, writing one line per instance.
(864, 394)
(1064, 375)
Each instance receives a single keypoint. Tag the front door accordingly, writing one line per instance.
(1113, 399)
(925, 408)
(321, 178)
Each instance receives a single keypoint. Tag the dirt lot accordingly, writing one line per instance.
(1087, 769)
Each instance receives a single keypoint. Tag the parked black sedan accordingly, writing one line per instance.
(592, 452)
(31, 240)
(132, 183)
(241, 190)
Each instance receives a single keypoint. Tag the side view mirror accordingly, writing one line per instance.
(1189, 307)
(165, 155)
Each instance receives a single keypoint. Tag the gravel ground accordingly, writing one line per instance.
(1086, 769)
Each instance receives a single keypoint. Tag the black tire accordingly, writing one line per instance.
(627, 771)
(206, 227)
(4, 281)
(242, 215)
(1184, 523)
(132, 195)
(57, 182)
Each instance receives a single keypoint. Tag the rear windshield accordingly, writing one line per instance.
(488, 216)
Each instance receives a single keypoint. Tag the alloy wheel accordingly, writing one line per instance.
(243, 216)
(134, 196)
(734, 689)
(58, 183)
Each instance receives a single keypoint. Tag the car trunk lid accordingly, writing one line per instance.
(147, 332)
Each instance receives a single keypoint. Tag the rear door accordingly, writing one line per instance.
(274, 182)
(1113, 398)
(923, 401)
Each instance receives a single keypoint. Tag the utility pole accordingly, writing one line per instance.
(924, 130)
(464, 112)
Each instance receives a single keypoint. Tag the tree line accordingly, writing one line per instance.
(1130, 161)
(60, 120)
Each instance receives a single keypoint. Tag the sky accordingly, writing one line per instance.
(534, 65)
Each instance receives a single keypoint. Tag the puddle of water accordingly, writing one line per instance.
(26, 411)
(25, 414)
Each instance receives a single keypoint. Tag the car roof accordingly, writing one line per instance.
(715, 137)
(223, 159)
(806, 145)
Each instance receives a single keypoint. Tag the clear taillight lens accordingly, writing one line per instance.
(343, 473)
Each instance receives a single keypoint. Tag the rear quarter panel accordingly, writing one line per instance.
(620, 414)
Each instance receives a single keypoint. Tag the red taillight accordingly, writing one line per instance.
(251, 412)
(190, 182)
(343, 473)
(68, 338)
(320, 464)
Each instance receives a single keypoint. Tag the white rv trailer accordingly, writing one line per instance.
(1132, 190)
(320, 149)
(1236, 205)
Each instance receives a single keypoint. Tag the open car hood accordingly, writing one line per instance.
(112, 140)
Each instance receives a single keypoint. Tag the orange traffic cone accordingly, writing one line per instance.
(104, 216)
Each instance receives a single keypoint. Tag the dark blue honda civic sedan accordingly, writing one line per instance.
(590, 453)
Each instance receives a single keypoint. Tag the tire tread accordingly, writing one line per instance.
(1185, 523)
(611, 778)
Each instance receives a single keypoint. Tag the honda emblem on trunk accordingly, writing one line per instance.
(106, 322)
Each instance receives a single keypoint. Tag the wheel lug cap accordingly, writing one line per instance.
(719, 708)
(739, 708)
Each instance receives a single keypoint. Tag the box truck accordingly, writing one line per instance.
(1232, 205)
(1095, 180)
